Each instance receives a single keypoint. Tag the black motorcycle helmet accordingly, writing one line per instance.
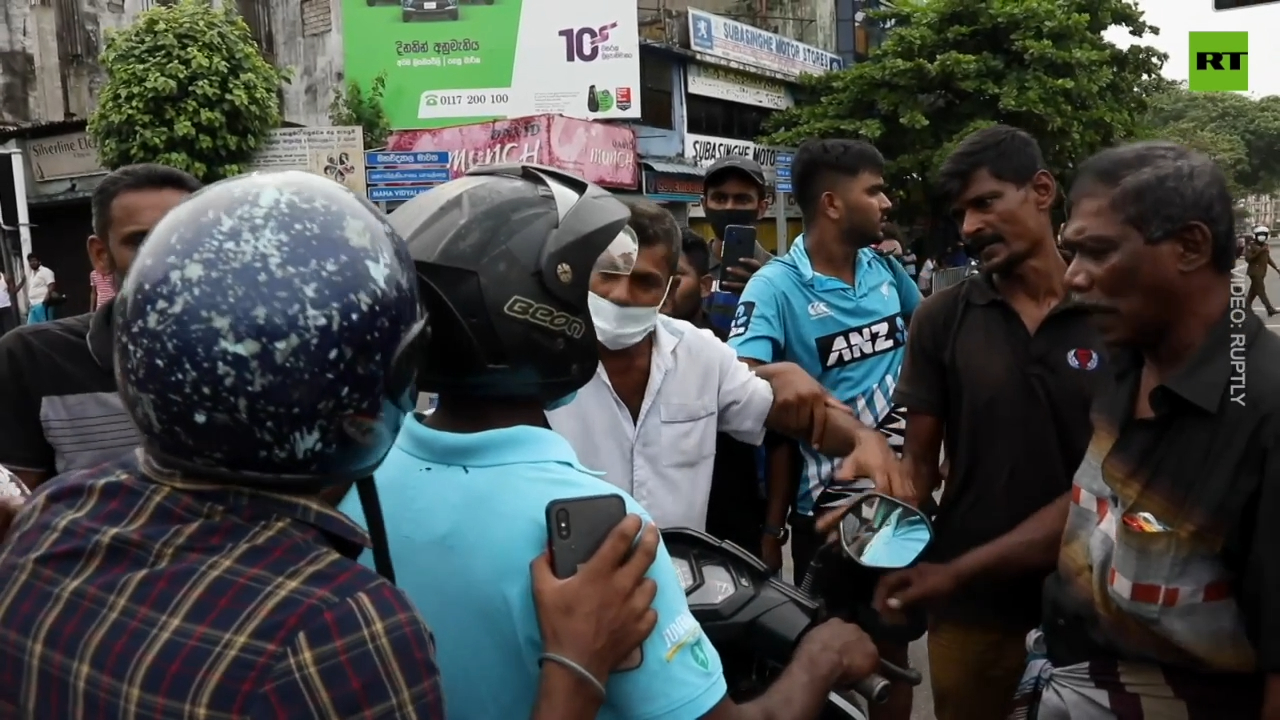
(504, 257)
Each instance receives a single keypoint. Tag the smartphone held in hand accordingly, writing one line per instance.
(576, 527)
(739, 243)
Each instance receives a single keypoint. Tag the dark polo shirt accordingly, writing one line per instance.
(735, 507)
(1016, 412)
(1169, 556)
(59, 410)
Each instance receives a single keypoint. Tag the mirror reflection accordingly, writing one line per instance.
(881, 532)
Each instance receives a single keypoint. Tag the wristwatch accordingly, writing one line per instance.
(781, 533)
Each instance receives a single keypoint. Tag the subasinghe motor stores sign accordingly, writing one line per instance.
(702, 150)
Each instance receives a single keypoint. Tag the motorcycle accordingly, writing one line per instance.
(755, 620)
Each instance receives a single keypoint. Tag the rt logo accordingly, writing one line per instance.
(1219, 61)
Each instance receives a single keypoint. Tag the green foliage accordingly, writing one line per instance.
(353, 106)
(950, 67)
(187, 87)
(1240, 132)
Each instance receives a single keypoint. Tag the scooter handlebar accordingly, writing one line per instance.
(875, 688)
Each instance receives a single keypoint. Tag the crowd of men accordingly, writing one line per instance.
(1097, 408)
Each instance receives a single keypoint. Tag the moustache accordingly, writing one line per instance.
(975, 244)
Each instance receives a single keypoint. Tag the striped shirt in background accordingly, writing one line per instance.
(138, 596)
(104, 287)
(58, 392)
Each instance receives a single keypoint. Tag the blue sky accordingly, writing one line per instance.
(1176, 18)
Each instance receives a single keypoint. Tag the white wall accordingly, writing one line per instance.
(32, 88)
(308, 37)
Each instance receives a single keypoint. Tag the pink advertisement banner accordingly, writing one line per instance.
(603, 154)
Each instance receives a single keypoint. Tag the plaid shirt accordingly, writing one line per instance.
(129, 597)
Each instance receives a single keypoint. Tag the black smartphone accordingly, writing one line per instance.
(739, 243)
(576, 527)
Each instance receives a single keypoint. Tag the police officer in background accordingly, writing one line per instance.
(1257, 256)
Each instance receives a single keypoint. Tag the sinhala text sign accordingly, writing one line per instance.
(478, 61)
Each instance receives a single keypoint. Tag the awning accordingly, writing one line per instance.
(673, 168)
(672, 182)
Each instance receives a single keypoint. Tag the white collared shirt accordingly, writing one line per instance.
(38, 285)
(697, 387)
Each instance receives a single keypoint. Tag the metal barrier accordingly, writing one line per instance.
(943, 279)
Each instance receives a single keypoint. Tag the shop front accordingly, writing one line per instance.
(61, 171)
(674, 186)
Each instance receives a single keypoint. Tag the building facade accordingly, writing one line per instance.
(708, 78)
(49, 82)
(1262, 210)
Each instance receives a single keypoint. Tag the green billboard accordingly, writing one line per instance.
(450, 63)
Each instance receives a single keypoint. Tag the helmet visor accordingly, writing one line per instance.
(620, 257)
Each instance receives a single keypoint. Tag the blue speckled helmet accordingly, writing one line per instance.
(265, 334)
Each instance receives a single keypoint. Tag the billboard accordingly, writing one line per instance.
(495, 59)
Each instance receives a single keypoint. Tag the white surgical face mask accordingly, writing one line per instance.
(619, 327)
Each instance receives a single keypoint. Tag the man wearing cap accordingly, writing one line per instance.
(733, 193)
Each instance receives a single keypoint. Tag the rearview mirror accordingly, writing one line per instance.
(881, 532)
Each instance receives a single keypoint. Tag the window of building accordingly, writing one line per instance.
(317, 17)
(708, 116)
(656, 91)
(846, 38)
(845, 43)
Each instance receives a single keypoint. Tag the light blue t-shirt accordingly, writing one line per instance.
(465, 515)
(852, 339)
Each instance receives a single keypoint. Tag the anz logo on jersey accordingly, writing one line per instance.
(859, 343)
